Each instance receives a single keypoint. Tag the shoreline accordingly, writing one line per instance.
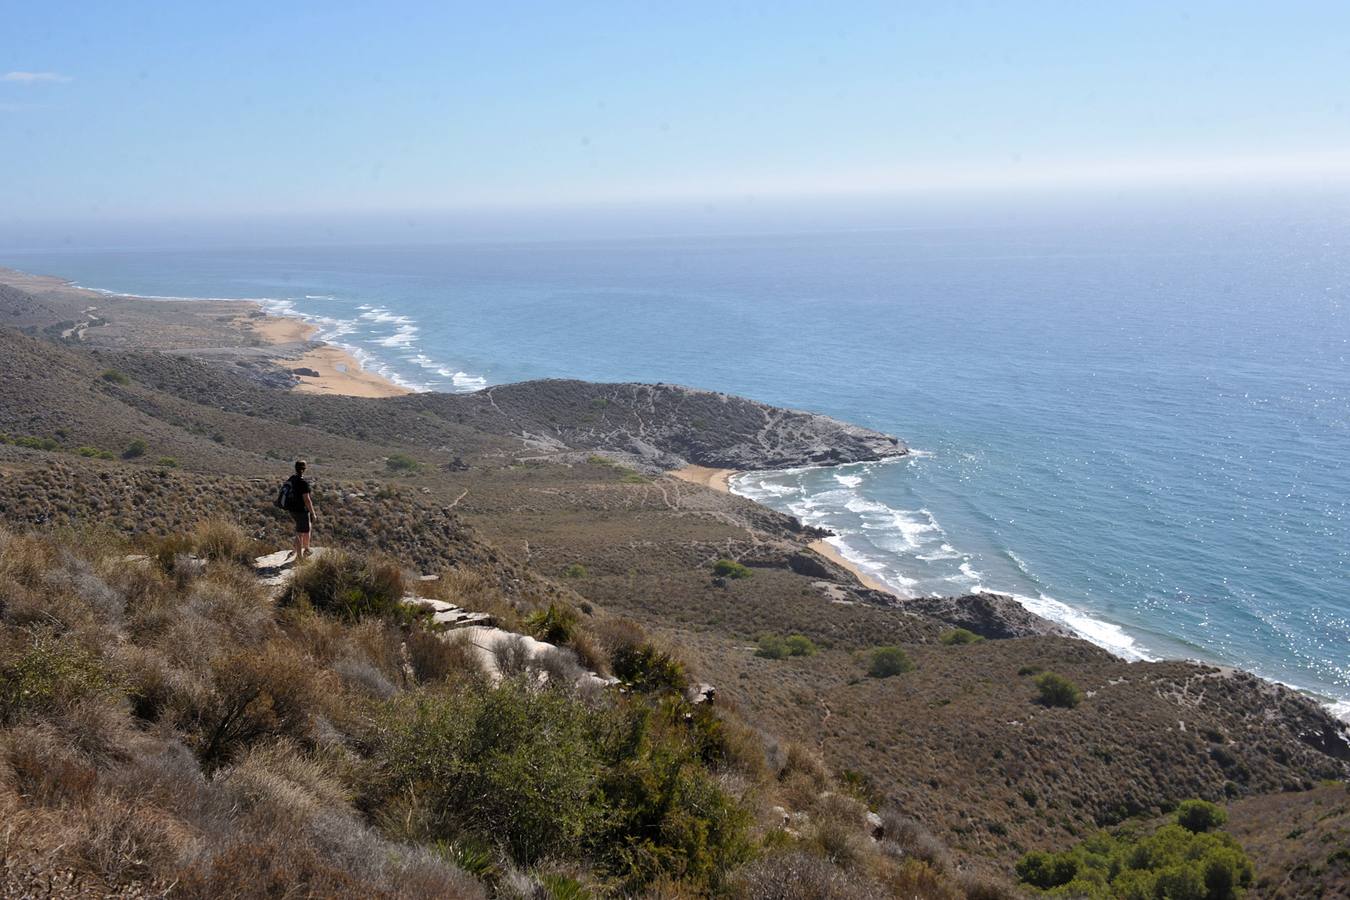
(720, 480)
(286, 340)
(717, 479)
(219, 326)
(832, 553)
(339, 372)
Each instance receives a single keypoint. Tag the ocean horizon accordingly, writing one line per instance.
(1140, 429)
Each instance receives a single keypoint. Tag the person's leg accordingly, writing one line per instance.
(297, 545)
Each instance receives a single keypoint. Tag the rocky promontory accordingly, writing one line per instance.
(668, 426)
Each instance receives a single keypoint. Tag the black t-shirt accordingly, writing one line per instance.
(299, 488)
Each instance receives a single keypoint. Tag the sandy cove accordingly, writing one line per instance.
(339, 372)
(717, 479)
(720, 480)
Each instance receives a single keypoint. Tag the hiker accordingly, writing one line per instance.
(301, 508)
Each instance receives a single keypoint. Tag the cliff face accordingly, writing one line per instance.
(667, 426)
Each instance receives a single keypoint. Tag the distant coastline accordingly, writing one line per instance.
(221, 326)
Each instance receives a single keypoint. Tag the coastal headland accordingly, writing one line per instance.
(613, 500)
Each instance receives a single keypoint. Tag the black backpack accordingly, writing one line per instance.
(286, 496)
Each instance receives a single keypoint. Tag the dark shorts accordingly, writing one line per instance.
(301, 521)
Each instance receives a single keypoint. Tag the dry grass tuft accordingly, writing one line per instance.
(222, 541)
(802, 876)
(437, 658)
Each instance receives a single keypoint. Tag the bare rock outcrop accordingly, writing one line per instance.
(668, 426)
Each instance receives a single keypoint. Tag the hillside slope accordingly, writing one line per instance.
(558, 483)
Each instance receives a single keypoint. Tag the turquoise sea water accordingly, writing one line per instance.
(1140, 427)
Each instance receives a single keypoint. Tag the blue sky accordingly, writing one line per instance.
(141, 110)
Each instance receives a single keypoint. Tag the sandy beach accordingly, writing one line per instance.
(827, 550)
(719, 480)
(339, 372)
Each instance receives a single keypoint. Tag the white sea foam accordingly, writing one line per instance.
(405, 338)
(110, 293)
(1340, 709)
(915, 534)
(1106, 635)
(901, 584)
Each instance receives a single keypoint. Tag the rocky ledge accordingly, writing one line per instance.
(993, 616)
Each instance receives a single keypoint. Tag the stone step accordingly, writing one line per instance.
(449, 614)
(274, 562)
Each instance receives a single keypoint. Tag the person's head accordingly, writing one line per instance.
(299, 467)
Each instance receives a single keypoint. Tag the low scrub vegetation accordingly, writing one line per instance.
(959, 636)
(885, 662)
(402, 463)
(730, 568)
(1199, 816)
(1183, 860)
(773, 646)
(166, 729)
(543, 774)
(1056, 690)
(349, 586)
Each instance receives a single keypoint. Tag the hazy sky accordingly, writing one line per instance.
(141, 110)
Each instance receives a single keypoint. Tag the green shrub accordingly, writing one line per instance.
(888, 661)
(401, 462)
(44, 673)
(512, 765)
(1056, 690)
(1172, 863)
(772, 646)
(350, 587)
(135, 449)
(729, 568)
(112, 376)
(36, 443)
(644, 668)
(93, 453)
(167, 462)
(1200, 815)
(667, 816)
(575, 570)
(556, 624)
(1047, 870)
(959, 636)
(541, 774)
